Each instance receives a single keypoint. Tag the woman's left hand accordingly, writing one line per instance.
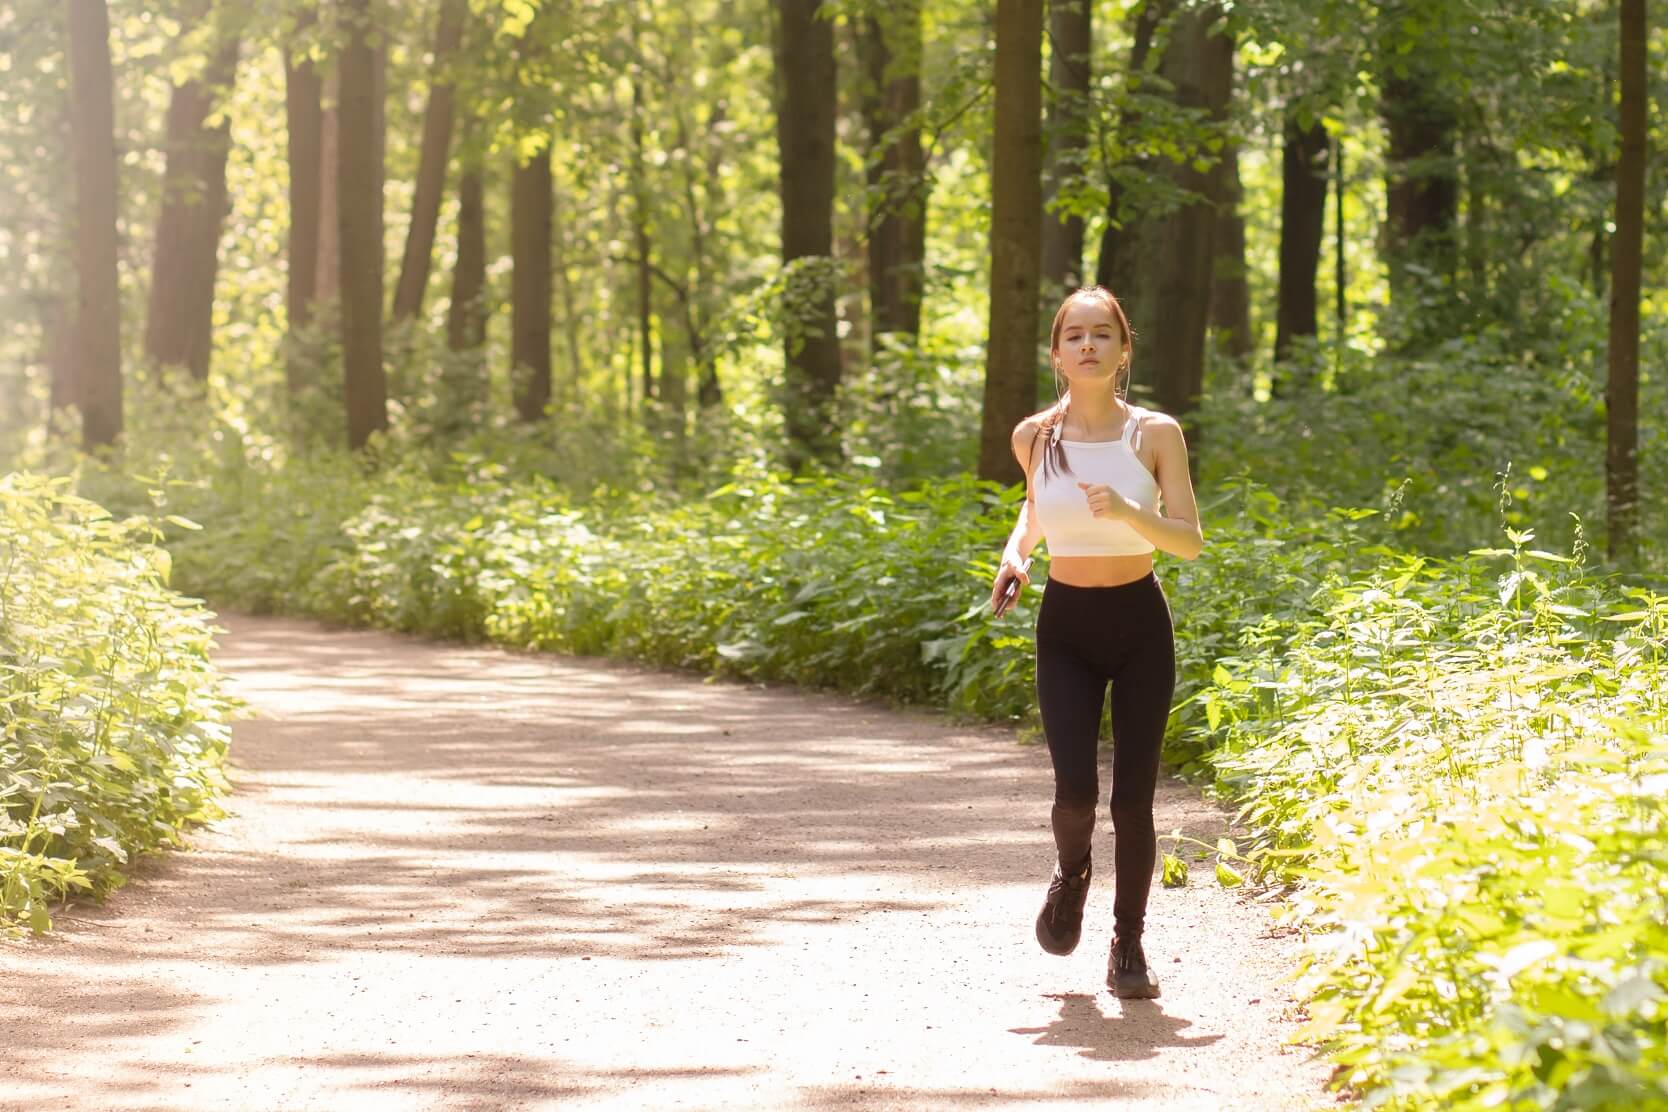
(1104, 502)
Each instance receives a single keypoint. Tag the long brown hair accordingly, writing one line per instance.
(1053, 418)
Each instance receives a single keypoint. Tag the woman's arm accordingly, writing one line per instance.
(1177, 530)
(1026, 535)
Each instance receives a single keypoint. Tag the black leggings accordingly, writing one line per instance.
(1087, 636)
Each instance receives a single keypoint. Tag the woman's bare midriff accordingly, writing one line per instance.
(1099, 571)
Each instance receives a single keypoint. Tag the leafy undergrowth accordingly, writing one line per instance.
(1462, 761)
(1466, 765)
(113, 727)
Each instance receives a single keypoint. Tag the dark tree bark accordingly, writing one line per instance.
(466, 318)
(531, 196)
(691, 295)
(1626, 264)
(1340, 267)
(304, 117)
(1011, 361)
(359, 207)
(59, 349)
(179, 324)
(431, 166)
(328, 253)
(1230, 294)
(640, 228)
(1422, 188)
(570, 313)
(805, 138)
(98, 309)
(1069, 72)
(890, 42)
(1164, 261)
(1302, 227)
(1115, 268)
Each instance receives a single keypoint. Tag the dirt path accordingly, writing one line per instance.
(454, 877)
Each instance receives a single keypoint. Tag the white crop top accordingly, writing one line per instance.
(1069, 528)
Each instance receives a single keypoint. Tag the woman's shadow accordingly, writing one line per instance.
(1135, 1033)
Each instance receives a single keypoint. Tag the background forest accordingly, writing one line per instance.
(585, 237)
(696, 333)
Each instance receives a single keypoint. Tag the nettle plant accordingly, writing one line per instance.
(113, 723)
(1466, 766)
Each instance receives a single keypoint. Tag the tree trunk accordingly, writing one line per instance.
(1069, 73)
(1164, 261)
(1115, 268)
(1230, 295)
(530, 226)
(1202, 72)
(98, 309)
(570, 314)
(466, 318)
(891, 46)
(327, 284)
(1626, 263)
(694, 313)
(1302, 227)
(640, 228)
(359, 208)
(1422, 191)
(1011, 362)
(431, 166)
(304, 117)
(1340, 282)
(180, 322)
(805, 138)
(60, 350)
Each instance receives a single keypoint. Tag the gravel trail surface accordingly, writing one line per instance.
(457, 877)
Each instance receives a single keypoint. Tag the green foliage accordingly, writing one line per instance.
(112, 721)
(1465, 765)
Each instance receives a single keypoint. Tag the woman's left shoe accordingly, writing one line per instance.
(1060, 922)
(1126, 970)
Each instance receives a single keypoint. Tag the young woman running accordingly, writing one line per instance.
(1095, 468)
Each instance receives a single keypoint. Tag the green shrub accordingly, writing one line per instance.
(1468, 773)
(112, 721)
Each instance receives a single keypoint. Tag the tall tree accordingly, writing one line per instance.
(303, 115)
(359, 207)
(640, 228)
(531, 194)
(1163, 262)
(1422, 190)
(1230, 293)
(328, 253)
(1069, 73)
(1626, 265)
(466, 316)
(99, 310)
(890, 43)
(431, 165)
(179, 324)
(1116, 267)
(805, 138)
(1302, 227)
(1011, 362)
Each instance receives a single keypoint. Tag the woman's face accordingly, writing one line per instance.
(1091, 343)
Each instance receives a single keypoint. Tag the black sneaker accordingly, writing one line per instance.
(1126, 971)
(1060, 922)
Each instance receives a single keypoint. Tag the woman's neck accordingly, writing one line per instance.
(1095, 408)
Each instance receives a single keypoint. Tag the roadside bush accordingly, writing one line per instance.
(1468, 772)
(112, 720)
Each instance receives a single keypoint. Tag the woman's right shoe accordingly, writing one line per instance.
(1127, 974)
(1060, 923)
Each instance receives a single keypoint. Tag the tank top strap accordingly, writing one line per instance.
(1132, 426)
